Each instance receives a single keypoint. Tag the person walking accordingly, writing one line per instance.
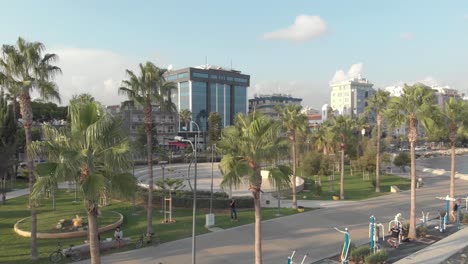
(454, 213)
(118, 236)
(232, 205)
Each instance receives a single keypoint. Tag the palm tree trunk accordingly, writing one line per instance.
(93, 232)
(255, 188)
(27, 115)
(412, 140)
(452, 173)
(294, 174)
(377, 157)
(4, 187)
(149, 142)
(342, 175)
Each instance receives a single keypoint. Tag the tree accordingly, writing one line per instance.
(7, 141)
(214, 128)
(416, 106)
(94, 146)
(185, 115)
(325, 138)
(149, 88)
(344, 127)
(244, 146)
(377, 104)
(293, 121)
(28, 69)
(455, 116)
(402, 160)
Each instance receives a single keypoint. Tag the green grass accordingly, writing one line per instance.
(16, 249)
(355, 187)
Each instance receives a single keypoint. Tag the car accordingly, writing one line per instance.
(420, 148)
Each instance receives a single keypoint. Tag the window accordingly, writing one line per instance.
(182, 75)
(242, 80)
(184, 95)
(200, 75)
(229, 78)
(214, 77)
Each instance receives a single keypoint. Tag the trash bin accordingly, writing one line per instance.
(300, 209)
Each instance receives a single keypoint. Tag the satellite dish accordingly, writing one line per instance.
(169, 68)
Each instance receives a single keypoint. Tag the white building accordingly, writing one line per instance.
(349, 97)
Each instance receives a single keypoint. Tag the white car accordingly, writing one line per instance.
(420, 148)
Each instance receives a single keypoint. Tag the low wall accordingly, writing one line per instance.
(73, 234)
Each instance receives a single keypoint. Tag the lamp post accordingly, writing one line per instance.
(210, 218)
(198, 131)
(363, 133)
(181, 139)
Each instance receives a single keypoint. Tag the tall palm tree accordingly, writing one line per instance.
(377, 104)
(244, 146)
(415, 106)
(325, 138)
(455, 114)
(149, 88)
(185, 115)
(293, 121)
(344, 127)
(28, 70)
(96, 147)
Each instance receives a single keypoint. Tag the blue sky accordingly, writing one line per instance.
(389, 42)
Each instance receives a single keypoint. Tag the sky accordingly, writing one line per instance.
(294, 47)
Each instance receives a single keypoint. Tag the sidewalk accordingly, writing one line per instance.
(439, 251)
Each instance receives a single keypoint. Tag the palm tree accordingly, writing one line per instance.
(94, 146)
(185, 115)
(149, 88)
(28, 70)
(7, 141)
(293, 121)
(455, 113)
(344, 127)
(415, 106)
(244, 146)
(325, 138)
(377, 104)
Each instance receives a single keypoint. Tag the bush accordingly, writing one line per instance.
(465, 219)
(318, 190)
(402, 160)
(360, 253)
(374, 182)
(421, 231)
(376, 258)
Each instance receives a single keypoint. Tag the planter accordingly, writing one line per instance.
(335, 197)
(300, 209)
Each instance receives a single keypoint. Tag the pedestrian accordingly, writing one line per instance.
(395, 234)
(118, 236)
(232, 205)
(454, 213)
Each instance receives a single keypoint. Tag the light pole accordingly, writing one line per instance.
(162, 163)
(178, 138)
(198, 132)
(212, 172)
(363, 133)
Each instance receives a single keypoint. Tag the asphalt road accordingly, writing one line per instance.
(311, 232)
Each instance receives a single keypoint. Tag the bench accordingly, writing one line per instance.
(103, 245)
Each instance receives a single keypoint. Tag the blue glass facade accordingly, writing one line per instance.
(184, 96)
(240, 99)
(199, 107)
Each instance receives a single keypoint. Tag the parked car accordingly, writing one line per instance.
(420, 148)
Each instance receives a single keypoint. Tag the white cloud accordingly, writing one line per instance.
(406, 35)
(304, 28)
(98, 72)
(354, 71)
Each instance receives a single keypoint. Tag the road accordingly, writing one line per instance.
(310, 232)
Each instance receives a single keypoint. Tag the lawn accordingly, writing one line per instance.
(356, 188)
(16, 249)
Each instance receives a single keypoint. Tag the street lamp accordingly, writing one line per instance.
(210, 218)
(363, 133)
(181, 139)
(162, 163)
(198, 129)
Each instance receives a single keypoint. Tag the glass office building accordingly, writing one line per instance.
(208, 89)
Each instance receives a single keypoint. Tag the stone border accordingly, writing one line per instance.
(66, 234)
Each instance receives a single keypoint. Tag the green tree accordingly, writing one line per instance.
(28, 70)
(344, 127)
(96, 147)
(455, 116)
(325, 138)
(148, 89)
(214, 128)
(294, 122)
(185, 116)
(402, 160)
(244, 146)
(377, 104)
(415, 106)
(7, 141)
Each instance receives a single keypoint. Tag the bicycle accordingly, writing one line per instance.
(150, 239)
(59, 254)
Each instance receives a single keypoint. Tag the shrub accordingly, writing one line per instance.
(376, 258)
(421, 231)
(360, 253)
(318, 190)
(402, 160)
(465, 218)
(374, 182)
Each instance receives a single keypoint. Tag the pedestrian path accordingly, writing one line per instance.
(439, 251)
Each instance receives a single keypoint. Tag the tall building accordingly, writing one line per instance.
(208, 88)
(349, 97)
(266, 103)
